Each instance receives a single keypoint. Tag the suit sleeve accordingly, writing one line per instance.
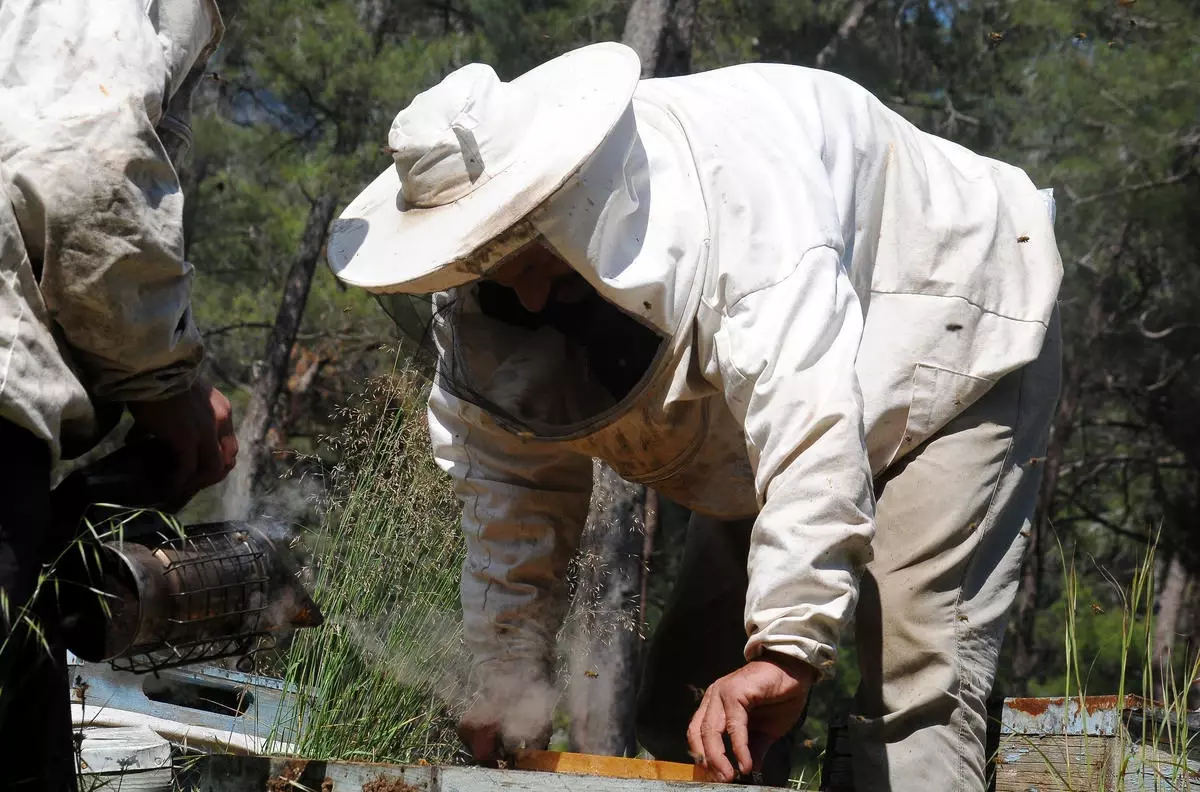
(786, 354)
(524, 506)
(84, 84)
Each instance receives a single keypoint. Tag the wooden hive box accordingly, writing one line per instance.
(1095, 744)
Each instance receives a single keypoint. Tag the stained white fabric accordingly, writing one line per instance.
(836, 285)
(440, 162)
(94, 289)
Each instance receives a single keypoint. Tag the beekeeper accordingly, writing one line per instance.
(94, 302)
(767, 296)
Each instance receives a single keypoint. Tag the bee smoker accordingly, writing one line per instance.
(144, 594)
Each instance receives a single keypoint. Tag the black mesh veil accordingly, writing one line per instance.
(549, 373)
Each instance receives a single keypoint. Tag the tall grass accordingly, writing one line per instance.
(1162, 747)
(380, 681)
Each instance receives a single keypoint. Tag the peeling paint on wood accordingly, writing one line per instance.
(1095, 744)
(252, 774)
(1093, 715)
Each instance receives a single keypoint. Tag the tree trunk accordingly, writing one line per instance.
(1025, 655)
(272, 371)
(660, 31)
(845, 30)
(604, 642)
(650, 529)
(604, 654)
(1025, 658)
(1171, 602)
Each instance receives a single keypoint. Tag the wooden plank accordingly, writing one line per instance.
(478, 779)
(608, 766)
(1096, 744)
(1156, 767)
(132, 759)
(1163, 750)
(1092, 715)
(1056, 763)
(223, 773)
(226, 773)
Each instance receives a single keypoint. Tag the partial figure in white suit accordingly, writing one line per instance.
(95, 305)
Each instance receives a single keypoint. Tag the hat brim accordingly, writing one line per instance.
(382, 245)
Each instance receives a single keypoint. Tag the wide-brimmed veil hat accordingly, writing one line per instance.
(473, 156)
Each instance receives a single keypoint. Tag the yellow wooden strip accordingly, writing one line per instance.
(608, 766)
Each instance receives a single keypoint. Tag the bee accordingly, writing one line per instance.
(80, 688)
(1096, 609)
(995, 37)
(1022, 239)
(591, 674)
(1081, 36)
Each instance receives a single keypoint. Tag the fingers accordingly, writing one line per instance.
(481, 739)
(712, 736)
(209, 408)
(737, 726)
(695, 743)
(186, 461)
(197, 428)
(227, 444)
(211, 437)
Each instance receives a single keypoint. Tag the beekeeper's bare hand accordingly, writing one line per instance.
(510, 714)
(481, 736)
(755, 705)
(197, 426)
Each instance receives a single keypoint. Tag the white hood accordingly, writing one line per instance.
(633, 221)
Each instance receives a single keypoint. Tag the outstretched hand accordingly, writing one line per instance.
(510, 713)
(755, 705)
(197, 426)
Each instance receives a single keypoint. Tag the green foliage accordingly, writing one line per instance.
(381, 676)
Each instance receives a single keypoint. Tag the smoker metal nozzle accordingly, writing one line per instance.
(219, 590)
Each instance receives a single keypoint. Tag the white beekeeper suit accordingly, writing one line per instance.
(94, 289)
(842, 307)
(94, 297)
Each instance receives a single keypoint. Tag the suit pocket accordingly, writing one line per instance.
(938, 396)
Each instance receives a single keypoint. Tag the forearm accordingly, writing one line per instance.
(808, 548)
(788, 353)
(524, 506)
